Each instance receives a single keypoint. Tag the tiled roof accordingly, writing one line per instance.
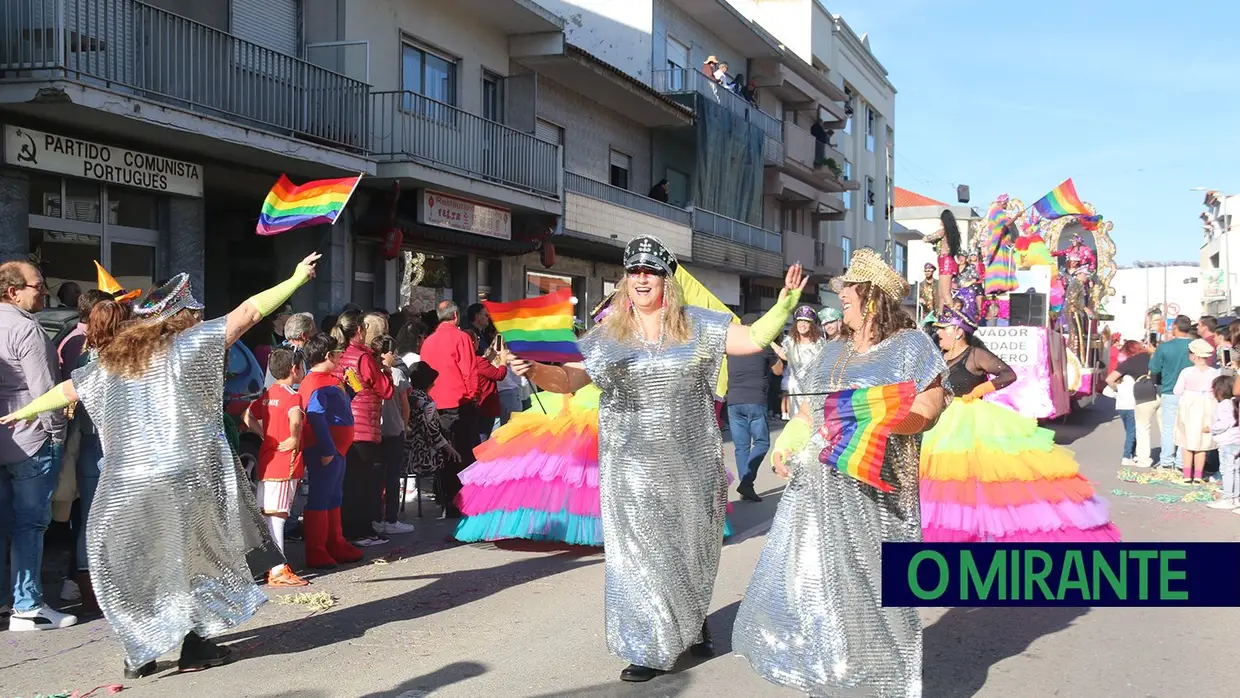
(910, 199)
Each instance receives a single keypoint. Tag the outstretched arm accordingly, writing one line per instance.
(755, 338)
(259, 306)
(56, 398)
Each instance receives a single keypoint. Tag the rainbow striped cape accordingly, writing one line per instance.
(856, 426)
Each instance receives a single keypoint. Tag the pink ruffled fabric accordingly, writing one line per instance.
(1102, 534)
(535, 495)
(1033, 518)
(570, 468)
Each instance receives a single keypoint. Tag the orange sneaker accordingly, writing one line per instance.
(285, 578)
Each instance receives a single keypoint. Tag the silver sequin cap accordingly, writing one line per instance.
(168, 300)
(648, 251)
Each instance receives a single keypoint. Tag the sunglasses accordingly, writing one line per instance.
(645, 271)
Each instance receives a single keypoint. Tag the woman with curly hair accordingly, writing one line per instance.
(812, 618)
(174, 516)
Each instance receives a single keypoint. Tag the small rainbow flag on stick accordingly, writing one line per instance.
(290, 206)
(856, 426)
(1061, 201)
(538, 329)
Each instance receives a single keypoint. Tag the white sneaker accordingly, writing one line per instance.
(42, 618)
(1223, 504)
(1131, 462)
(397, 527)
(369, 542)
(69, 591)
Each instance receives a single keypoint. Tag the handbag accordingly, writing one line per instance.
(1144, 390)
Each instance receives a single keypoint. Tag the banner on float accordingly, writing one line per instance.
(1061, 574)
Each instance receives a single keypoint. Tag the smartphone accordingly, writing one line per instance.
(1226, 357)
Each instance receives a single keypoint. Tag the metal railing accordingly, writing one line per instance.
(731, 229)
(130, 47)
(408, 126)
(623, 197)
(684, 81)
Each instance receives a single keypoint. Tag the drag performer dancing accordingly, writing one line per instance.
(812, 618)
(989, 474)
(970, 292)
(947, 242)
(174, 516)
(662, 482)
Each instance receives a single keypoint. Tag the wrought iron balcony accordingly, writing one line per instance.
(678, 81)
(731, 229)
(133, 48)
(622, 197)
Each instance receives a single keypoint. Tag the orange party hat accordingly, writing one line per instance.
(108, 284)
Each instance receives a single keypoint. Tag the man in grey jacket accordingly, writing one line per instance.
(30, 451)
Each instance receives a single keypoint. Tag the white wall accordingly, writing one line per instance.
(920, 252)
(591, 132)
(669, 20)
(617, 31)
(726, 287)
(611, 222)
(438, 26)
(1138, 289)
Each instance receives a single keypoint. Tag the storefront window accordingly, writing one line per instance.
(429, 280)
(65, 258)
(540, 284)
(133, 266)
(490, 277)
(81, 201)
(45, 196)
(365, 258)
(132, 208)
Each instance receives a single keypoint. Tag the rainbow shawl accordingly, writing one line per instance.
(857, 424)
(989, 474)
(1000, 275)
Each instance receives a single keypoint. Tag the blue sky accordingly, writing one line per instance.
(1137, 102)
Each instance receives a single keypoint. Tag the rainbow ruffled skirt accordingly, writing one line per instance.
(537, 476)
(989, 474)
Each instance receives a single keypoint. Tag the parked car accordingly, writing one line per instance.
(243, 384)
(57, 322)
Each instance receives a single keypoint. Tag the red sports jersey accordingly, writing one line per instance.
(273, 411)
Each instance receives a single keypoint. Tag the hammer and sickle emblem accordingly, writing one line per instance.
(28, 152)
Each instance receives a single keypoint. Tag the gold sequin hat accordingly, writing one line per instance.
(868, 267)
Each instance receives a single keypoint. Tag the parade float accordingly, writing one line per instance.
(1048, 278)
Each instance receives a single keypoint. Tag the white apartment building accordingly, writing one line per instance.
(1220, 254)
(1168, 289)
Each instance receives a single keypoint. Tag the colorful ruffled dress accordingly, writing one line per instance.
(989, 474)
(537, 476)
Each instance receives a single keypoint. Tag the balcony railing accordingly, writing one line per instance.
(622, 197)
(410, 127)
(731, 229)
(130, 47)
(683, 81)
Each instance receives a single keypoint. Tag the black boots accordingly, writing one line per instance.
(197, 653)
(747, 493)
(705, 648)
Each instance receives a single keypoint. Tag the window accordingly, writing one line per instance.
(677, 64)
(846, 245)
(848, 109)
(429, 75)
(677, 187)
(847, 178)
(869, 198)
(888, 203)
(492, 97)
(365, 261)
(901, 260)
(620, 166)
(68, 232)
(788, 218)
(869, 128)
(549, 132)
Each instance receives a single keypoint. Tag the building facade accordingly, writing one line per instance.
(1148, 293)
(1220, 258)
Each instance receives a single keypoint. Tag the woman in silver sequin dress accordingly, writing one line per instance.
(798, 350)
(174, 516)
(662, 484)
(812, 618)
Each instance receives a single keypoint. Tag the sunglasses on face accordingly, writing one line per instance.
(645, 271)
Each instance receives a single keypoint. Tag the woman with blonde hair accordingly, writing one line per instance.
(174, 516)
(662, 484)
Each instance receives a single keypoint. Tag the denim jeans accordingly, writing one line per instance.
(1129, 418)
(90, 457)
(26, 489)
(1170, 456)
(751, 436)
(1229, 469)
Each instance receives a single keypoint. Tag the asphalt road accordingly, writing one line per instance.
(437, 619)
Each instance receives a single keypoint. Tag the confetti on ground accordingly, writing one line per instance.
(1200, 495)
(317, 600)
(1161, 477)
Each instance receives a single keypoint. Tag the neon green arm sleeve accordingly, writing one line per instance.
(269, 301)
(54, 399)
(795, 435)
(767, 328)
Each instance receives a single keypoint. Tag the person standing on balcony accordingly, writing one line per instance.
(709, 66)
(660, 191)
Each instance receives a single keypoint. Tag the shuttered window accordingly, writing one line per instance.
(547, 131)
(272, 24)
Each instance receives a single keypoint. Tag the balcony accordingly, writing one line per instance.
(799, 86)
(599, 212)
(132, 48)
(681, 81)
(731, 229)
(410, 128)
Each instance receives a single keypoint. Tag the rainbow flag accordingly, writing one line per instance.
(856, 426)
(1061, 201)
(538, 329)
(290, 206)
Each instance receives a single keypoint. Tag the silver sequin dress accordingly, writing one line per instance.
(662, 486)
(174, 516)
(812, 617)
(800, 358)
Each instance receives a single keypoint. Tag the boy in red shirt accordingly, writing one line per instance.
(279, 417)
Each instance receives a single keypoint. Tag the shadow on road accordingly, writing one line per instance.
(961, 646)
(447, 591)
(427, 684)
(1079, 425)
